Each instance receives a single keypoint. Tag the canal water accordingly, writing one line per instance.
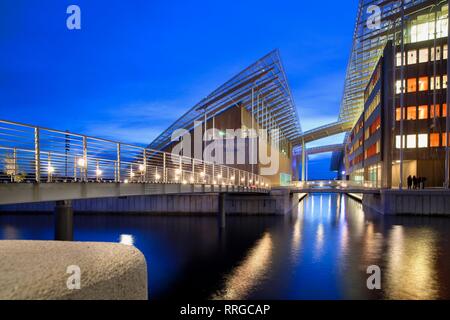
(321, 251)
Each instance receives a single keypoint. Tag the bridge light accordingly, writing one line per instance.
(125, 181)
(184, 182)
(343, 172)
(81, 162)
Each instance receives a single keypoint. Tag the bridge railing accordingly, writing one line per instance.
(343, 184)
(35, 154)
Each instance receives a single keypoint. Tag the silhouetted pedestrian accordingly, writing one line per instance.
(409, 182)
(423, 182)
(414, 181)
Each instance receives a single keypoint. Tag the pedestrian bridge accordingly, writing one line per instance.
(334, 186)
(40, 164)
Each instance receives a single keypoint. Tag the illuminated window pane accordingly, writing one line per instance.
(423, 112)
(411, 141)
(434, 110)
(412, 85)
(444, 110)
(397, 114)
(399, 61)
(423, 83)
(423, 55)
(434, 140)
(445, 53)
(398, 86)
(438, 83)
(423, 141)
(411, 113)
(438, 53)
(444, 81)
(412, 57)
(398, 141)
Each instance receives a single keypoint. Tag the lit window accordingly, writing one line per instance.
(444, 110)
(438, 54)
(423, 55)
(419, 32)
(434, 110)
(398, 86)
(423, 112)
(398, 142)
(411, 113)
(438, 83)
(397, 114)
(423, 84)
(412, 57)
(399, 61)
(423, 140)
(445, 52)
(444, 81)
(412, 85)
(411, 141)
(434, 140)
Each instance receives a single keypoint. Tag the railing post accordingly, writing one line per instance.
(144, 162)
(193, 170)
(49, 168)
(85, 159)
(164, 168)
(118, 162)
(37, 155)
(13, 176)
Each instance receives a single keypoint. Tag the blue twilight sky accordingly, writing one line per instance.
(136, 66)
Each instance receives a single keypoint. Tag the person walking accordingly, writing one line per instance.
(414, 181)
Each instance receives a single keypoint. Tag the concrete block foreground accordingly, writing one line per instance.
(49, 270)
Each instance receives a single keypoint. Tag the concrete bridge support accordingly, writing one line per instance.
(64, 220)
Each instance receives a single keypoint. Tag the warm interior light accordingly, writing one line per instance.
(191, 180)
(157, 176)
(50, 169)
(141, 167)
(178, 171)
(98, 172)
(184, 182)
(202, 174)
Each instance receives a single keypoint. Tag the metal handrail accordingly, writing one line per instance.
(41, 155)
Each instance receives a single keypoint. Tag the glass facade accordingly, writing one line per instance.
(369, 42)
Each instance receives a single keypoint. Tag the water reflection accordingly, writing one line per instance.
(322, 251)
(412, 272)
(250, 273)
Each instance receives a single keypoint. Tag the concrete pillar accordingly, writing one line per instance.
(64, 220)
(221, 211)
(303, 161)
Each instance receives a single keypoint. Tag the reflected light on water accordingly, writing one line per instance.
(412, 264)
(318, 250)
(297, 233)
(127, 239)
(244, 278)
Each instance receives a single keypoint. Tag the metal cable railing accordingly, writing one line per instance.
(35, 154)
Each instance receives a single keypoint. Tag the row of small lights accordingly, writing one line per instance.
(82, 163)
